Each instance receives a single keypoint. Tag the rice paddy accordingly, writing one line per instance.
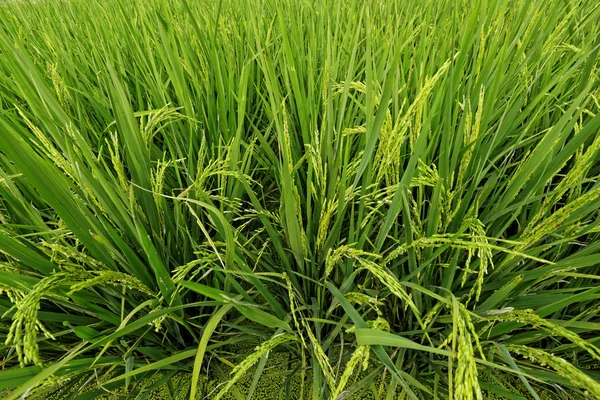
(296, 199)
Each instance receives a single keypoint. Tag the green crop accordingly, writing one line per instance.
(300, 199)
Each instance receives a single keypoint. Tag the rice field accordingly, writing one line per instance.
(294, 199)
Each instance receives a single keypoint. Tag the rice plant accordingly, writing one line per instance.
(300, 199)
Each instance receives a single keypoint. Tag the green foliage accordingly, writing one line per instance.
(300, 199)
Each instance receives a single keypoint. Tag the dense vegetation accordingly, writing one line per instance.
(300, 199)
